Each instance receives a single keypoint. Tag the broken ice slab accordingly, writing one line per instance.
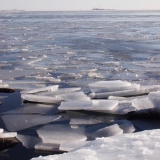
(59, 133)
(60, 91)
(74, 96)
(50, 79)
(41, 99)
(110, 84)
(48, 88)
(122, 108)
(107, 131)
(70, 145)
(123, 93)
(4, 85)
(136, 146)
(34, 109)
(28, 141)
(91, 105)
(1, 130)
(151, 88)
(154, 97)
(142, 103)
(125, 125)
(47, 146)
(19, 122)
(8, 134)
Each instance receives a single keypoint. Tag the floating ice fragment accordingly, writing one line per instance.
(28, 141)
(107, 131)
(4, 85)
(92, 105)
(48, 88)
(42, 99)
(19, 122)
(70, 145)
(58, 133)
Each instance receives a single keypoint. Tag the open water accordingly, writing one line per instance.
(78, 48)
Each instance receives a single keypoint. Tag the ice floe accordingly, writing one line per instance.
(140, 145)
(57, 133)
(19, 122)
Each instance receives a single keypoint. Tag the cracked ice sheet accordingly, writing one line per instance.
(19, 122)
(58, 133)
(34, 109)
(11, 74)
(136, 146)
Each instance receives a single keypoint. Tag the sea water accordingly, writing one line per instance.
(73, 49)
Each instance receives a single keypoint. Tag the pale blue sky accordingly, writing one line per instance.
(54, 5)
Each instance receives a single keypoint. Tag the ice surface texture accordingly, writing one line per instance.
(140, 145)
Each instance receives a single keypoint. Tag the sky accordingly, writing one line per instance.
(60, 5)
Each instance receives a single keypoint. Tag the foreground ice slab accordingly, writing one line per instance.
(28, 141)
(92, 105)
(135, 146)
(19, 122)
(58, 133)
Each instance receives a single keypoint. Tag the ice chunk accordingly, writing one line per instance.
(68, 146)
(19, 122)
(108, 131)
(92, 105)
(28, 141)
(58, 133)
(154, 97)
(110, 84)
(142, 103)
(137, 146)
(42, 99)
(47, 146)
(48, 88)
(1, 130)
(125, 125)
(8, 134)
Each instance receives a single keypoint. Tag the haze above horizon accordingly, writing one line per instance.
(71, 5)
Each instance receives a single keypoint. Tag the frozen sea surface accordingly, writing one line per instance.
(54, 57)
